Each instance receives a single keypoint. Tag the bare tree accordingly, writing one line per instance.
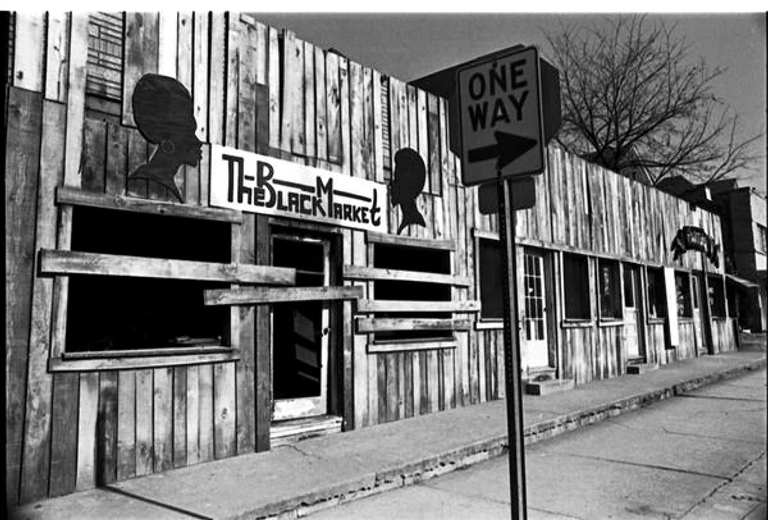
(634, 99)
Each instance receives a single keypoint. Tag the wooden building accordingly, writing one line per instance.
(145, 333)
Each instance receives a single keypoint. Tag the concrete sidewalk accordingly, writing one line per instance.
(295, 480)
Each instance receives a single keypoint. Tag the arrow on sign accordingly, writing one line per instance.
(508, 147)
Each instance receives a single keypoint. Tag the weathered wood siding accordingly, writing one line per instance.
(268, 91)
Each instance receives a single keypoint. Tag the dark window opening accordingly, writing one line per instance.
(412, 259)
(491, 273)
(683, 289)
(657, 303)
(576, 278)
(716, 297)
(609, 289)
(629, 286)
(128, 313)
(733, 300)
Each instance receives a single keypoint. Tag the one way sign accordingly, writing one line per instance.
(500, 117)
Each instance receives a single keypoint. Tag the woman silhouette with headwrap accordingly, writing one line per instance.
(162, 109)
(407, 183)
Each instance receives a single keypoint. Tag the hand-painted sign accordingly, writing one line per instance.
(259, 184)
(407, 183)
(691, 237)
(500, 117)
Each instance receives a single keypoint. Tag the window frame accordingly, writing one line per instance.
(687, 294)
(484, 321)
(656, 303)
(616, 297)
(587, 289)
(717, 307)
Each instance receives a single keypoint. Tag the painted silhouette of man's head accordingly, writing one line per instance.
(407, 183)
(163, 111)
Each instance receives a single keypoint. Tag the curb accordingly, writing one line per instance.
(436, 465)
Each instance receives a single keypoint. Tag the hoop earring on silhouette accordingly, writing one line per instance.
(167, 147)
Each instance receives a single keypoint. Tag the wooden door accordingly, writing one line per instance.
(300, 333)
(632, 316)
(535, 352)
(698, 315)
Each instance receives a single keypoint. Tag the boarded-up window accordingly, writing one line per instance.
(683, 288)
(408, 258)
(576, 279)
(656, 302)
(113, 313)
(491, 272)
(716, 297)
(609, 290)
(105, 55)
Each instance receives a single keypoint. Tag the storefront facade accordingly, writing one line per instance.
(312, 265)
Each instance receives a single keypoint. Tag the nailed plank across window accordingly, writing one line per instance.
(394, 324)
(260, 295)
(372, 306)
(74, 262)
(77, 197)
(354, 272)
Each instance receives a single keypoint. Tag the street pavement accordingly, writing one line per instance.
(701, 455)
(317, 474)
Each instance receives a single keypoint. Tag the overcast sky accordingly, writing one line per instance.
(409, 46)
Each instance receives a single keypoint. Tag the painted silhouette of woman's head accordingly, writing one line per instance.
(407, 183)
(163, 111)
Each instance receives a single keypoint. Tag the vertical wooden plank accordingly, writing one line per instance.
(167, 48)
(106, 429)
(274, 90)
(94, 155)
(407, 391)
(391, 390)
(423, 136)
(382, 366)
(434, 381)
(217, 115)
(162, 419)
(56, 56)
(417, 384)
(346, 154)
(179, 417)
(236, 36)
(184, 50)
(482, 374)
(66, 389)
(117, 160)
(369, 159)
(193, 414)
(263, 366)
(224, 410)
(333, 106)
(126, 425)
(356, 119)
(88, 407)
(200, 74)
(22, 167)
(360, 368)
(144, 422)
(424, 390)
(449, 395)
(139, 57)
(402, 369)
(310, 120)
(205, 414)
(29, 51)
(137, 155)
(291, 93)
(321, 100)
(378, 127)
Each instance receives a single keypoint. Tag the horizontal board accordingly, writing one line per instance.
(390, 324)
(74, 262)
(259, 295)
(368, 306)
(384, 348)
(89, 365)
(356, 272)
(74, 196)
(424, 243)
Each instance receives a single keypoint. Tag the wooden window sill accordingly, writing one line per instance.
(656, 321)
(576, 324)
(95, 361)
(489, 325)
(409, 346)
(608, 322)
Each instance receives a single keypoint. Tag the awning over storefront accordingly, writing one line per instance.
(741, 281)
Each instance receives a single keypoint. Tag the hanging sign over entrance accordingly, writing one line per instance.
(256, 183)
(692, 237)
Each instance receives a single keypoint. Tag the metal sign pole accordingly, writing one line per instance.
(512, 354)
